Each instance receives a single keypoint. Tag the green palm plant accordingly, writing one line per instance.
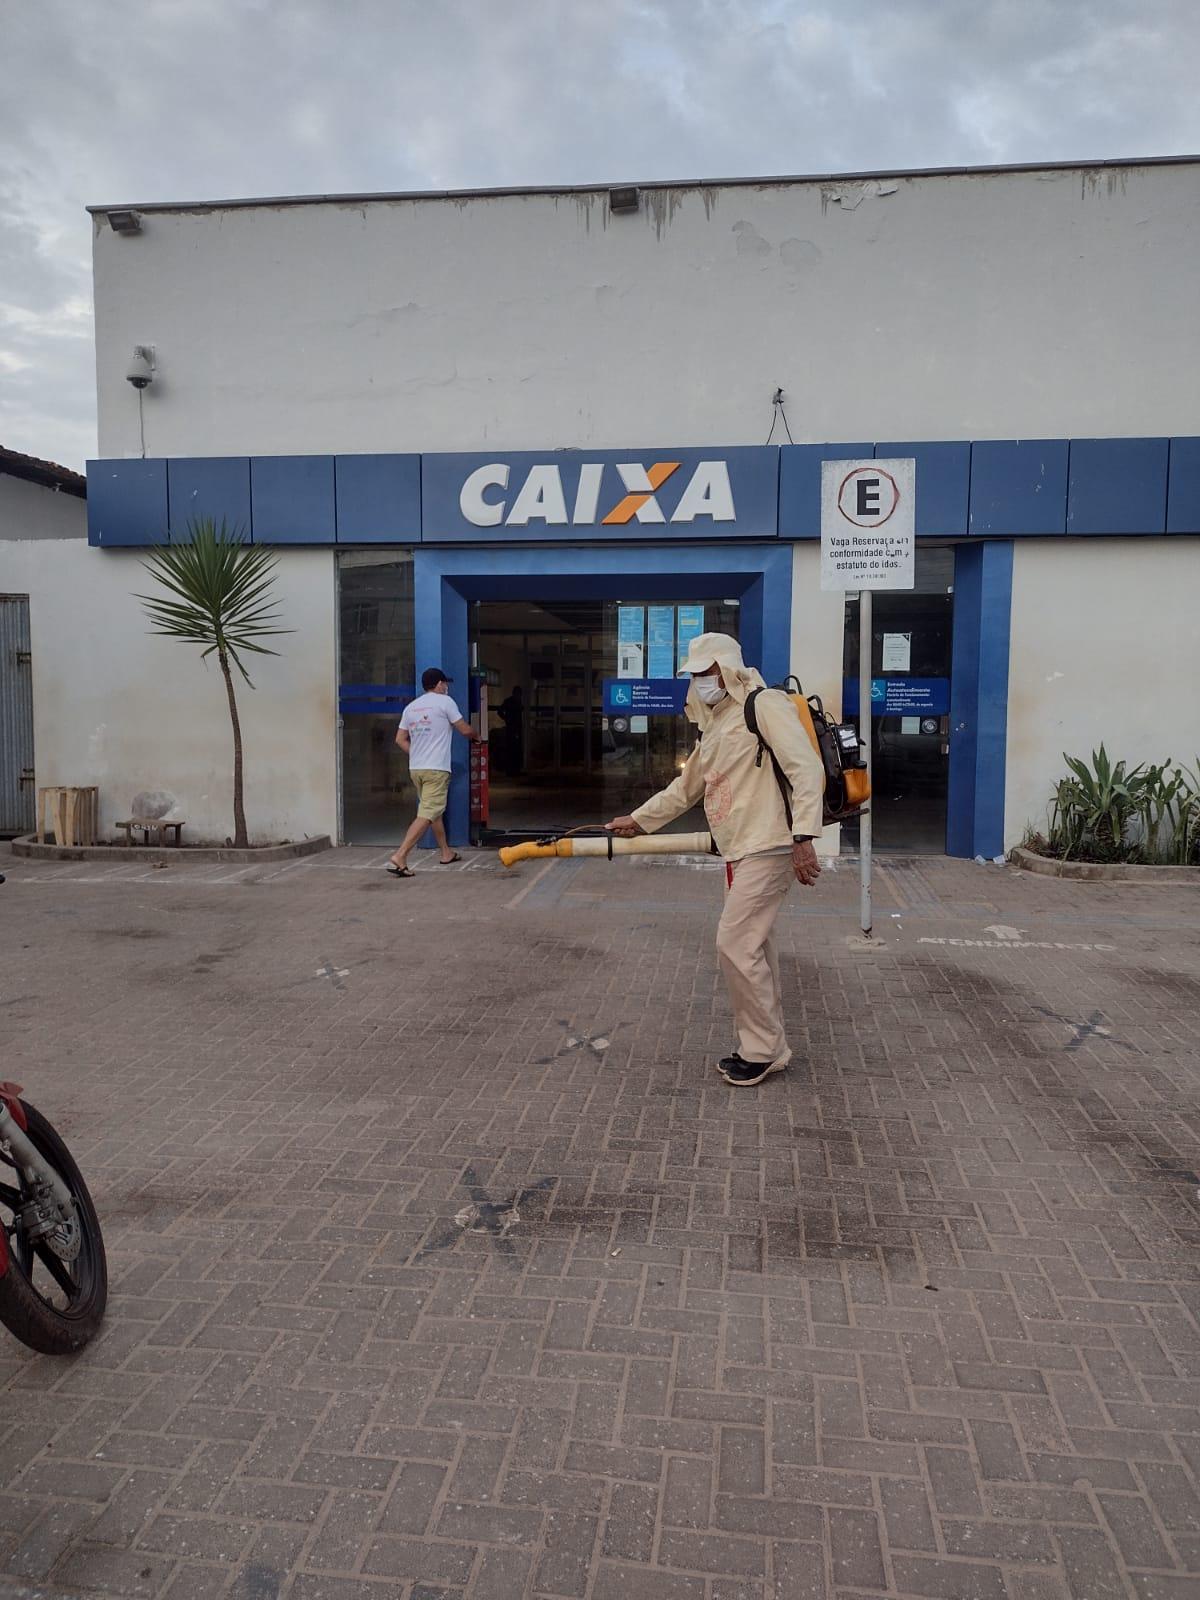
(219, 597)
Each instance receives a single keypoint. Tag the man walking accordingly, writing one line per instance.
(746, 812)
(425, 734)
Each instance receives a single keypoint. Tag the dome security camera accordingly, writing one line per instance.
(140, 372)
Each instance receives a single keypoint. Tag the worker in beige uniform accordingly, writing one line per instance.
(744, 804)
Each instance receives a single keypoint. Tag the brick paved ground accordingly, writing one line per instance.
(919, 1320)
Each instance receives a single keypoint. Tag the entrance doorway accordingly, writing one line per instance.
(911, 653)
(556, 760)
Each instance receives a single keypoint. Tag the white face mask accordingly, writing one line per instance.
(709, 690)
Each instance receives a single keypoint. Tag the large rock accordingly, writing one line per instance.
(153, 803)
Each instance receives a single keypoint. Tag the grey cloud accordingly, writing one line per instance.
(174, 99)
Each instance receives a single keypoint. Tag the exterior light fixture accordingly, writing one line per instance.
(140, 372)
(622, 201)
(125, 222)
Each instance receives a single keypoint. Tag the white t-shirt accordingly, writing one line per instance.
(427, 721)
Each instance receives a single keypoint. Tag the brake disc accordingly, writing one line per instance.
(65, 1239)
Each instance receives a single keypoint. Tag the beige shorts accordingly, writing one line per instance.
(433, 790)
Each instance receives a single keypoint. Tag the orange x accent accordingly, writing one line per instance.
(626, 510)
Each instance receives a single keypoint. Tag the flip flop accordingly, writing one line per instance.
(455, 857)
(401, 872)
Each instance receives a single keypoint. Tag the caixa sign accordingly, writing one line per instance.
(609, 494)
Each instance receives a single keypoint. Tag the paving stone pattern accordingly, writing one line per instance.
(444, 1265)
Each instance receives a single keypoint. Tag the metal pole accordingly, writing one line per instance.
(864, 733)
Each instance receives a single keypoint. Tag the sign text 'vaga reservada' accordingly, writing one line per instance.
(613, 494)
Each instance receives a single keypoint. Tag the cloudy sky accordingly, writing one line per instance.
(140, 100)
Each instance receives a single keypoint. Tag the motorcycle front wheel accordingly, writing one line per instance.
(53, 1295)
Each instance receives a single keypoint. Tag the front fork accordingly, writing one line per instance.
(52, 1203)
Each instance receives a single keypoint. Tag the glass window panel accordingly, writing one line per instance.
(375, 614)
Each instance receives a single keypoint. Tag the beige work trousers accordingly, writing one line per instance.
(754, 891)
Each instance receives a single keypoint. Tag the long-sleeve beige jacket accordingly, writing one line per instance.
(741, 800)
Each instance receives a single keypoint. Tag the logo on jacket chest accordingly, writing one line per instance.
(718, 798)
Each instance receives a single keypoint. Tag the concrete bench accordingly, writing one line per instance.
(155, 826)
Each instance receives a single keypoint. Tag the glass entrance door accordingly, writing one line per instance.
(556, 759)
(911, 646)
(377, 680)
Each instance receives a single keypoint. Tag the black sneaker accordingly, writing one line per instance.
(745, 1074)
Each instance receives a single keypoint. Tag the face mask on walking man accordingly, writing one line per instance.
(748, 821)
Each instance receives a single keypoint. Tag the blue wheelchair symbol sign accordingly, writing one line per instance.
(878, 689)
(621, 695)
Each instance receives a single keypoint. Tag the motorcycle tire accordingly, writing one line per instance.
(53, 1306)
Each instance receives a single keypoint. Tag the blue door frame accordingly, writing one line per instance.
(446, 579)
(979, 698)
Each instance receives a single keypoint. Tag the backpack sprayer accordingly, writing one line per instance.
(847, 790)
(847, 783)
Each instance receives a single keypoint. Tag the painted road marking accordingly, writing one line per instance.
(1015, 944)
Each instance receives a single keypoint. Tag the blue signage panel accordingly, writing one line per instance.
(660, 652)
(631, 624)
(644, 697)
(900, 697)
(691, 623)
(719, 492)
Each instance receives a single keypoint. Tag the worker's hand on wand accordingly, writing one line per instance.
(805, 864)
(623, 827)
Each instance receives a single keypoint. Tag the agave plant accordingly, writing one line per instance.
(218, 596)
(1066, 819)
(1107, 797)
(1185, 843)
(1157, 800)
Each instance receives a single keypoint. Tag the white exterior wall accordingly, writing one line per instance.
(33, 511)
(117, 707)
(818, 627)
(987, 305)
(1105, 647)
(1053, 303)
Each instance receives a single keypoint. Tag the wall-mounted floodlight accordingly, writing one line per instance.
(125, 222)
(622, 201)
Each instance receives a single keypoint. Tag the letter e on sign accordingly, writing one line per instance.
(868, 524)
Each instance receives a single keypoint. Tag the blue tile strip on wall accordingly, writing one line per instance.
(126, 503)
(291, 499)
(1018, 486)
(199, 487)
(1117, 486)
(997, 488)
(1183, 486)
(378, 499)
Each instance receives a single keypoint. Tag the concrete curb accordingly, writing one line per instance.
(1099, 872)
(114, 854)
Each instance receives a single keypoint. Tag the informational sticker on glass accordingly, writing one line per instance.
(660, 654)
(897, 652)
(867, 524)
(631, 635)
(641, 697)
(900, 697)
(691, 623)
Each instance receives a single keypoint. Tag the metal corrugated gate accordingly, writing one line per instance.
(17, 791)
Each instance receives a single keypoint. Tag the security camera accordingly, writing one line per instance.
(140, 372)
